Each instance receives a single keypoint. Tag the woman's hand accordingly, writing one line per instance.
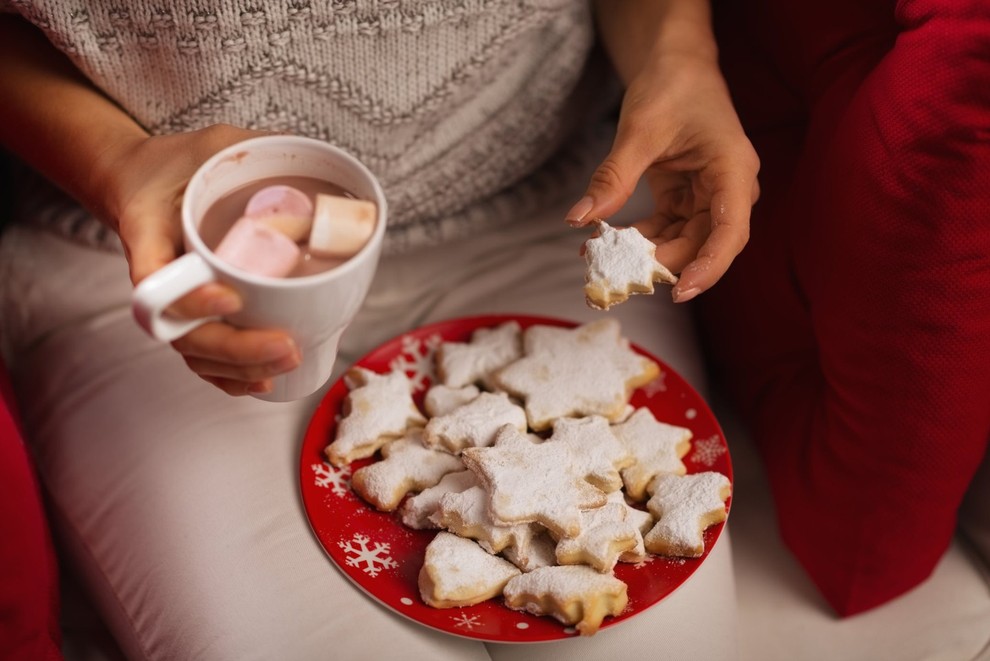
(679, 131)
(145, 180)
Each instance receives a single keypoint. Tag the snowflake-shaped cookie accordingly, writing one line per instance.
(378, 409)
(656, 446)
(529, 482)
(684, 506)
(465, 363)
(474, 424)
(575, 372)
(621, 262)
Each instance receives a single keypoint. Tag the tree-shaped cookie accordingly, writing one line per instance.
(457, 572)
(575, 372)
(620, 262)
(573, 594)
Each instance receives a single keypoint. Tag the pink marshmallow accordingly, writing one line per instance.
(283, 208)
(257, 248)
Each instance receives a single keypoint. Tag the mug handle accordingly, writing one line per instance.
(164, 287)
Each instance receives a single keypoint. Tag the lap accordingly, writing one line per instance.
(180, 505)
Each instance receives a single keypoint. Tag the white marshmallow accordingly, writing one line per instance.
(257, 248)
(341, 226)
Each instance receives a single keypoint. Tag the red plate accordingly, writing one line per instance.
(383, 557)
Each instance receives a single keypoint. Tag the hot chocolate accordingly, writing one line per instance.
(222, 215)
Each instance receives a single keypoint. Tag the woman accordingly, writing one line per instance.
(483, 121)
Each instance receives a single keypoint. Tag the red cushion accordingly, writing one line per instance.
(28, 579)
(854, 330)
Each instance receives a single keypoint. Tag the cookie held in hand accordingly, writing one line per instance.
(621, 262)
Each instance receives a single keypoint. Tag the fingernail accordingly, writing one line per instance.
(286, 364)
(683, 296)
(277, 349)
(260, 388)
(579, 210)
(225, 303)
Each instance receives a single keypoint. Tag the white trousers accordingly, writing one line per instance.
(180, 507)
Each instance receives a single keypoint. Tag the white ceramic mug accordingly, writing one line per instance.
(315, 309)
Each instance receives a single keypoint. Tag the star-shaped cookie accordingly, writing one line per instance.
(621, 262)
(529, 482)
(597, 450)
(378, 409)
(657, 447)
(605, 536)
(575, 372)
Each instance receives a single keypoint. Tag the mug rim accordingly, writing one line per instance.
(191, 229)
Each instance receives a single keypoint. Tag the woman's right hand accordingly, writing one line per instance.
(145, 179)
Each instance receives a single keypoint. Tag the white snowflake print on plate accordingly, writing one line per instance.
(416, 359)
(465, 621)
(336, 479)
(708, 450)
(656, 386)
(375, 558)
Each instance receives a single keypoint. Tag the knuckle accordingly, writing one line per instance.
(609, 175)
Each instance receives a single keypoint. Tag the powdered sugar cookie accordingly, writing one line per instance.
(641, 520)
(407, 466)
(529, 482)
(684, 506)
(540, 550)
(474, 424)
(417, 511)
(573, 594)
(441, 399)
(458, 572)
(575, 372)
(378, 409)
(464, 363)
(466, 514)
(656, 448)
(596, 449)
(621, 262)
(605, 535)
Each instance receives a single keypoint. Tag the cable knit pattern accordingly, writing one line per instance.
(454, 104)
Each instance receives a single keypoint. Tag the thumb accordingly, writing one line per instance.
(151, 239)
(612, 183)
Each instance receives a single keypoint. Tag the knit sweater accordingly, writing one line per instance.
(470, 112)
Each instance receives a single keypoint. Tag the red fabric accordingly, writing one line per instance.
(29, 628)
(854, 330)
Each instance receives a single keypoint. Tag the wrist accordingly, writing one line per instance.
(104, 190)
